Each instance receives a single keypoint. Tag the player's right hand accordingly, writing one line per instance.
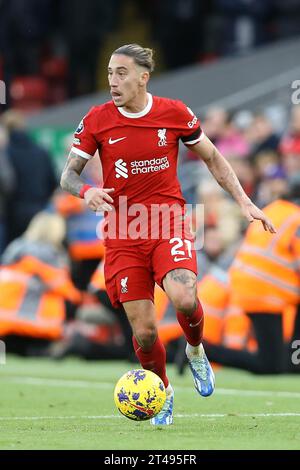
(97, 199)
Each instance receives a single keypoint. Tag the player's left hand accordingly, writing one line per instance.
(251, 212)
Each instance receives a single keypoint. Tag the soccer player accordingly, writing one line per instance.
(137, 136)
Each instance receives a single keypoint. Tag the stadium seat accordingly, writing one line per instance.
(55, 70)
(29, 93)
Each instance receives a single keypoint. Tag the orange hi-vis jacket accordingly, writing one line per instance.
(33, 288)
(237, 329)
(168, 326)
(213, 292)
(97, 281)
(224, 324)
(83, 227)
(265, 273)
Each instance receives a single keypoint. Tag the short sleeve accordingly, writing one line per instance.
(84, 143)
(190, 128)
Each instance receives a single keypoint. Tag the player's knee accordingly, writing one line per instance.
(146, 336)
(185, 303)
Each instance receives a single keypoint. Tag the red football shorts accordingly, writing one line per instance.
(131, 271)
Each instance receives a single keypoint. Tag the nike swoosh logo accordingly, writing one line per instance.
(111, 141)
(193, 326)
(179, 259)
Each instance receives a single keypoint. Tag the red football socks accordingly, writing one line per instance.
(154, 359)
(192, 326)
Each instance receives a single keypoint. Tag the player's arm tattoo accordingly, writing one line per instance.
(70, 179)
(221, 170)
(225, 175)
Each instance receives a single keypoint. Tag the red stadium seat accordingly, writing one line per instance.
(29, 93)
(55, 68)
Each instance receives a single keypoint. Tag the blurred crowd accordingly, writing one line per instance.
(50, 50)
(52, 291)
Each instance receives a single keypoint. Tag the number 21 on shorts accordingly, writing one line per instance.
(181, 249)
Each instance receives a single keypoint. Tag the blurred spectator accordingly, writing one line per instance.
(291, 160)
(245, 173)
(190, 172)
(264, 162)
(214, 123)
(35, 286)
(213, 243)
(243, 120)
(35, 176)
(231, 141)
(277, 114)
(213, 247)
(290, 144)
(7, 185)
(295, 122)
(83, 229)
(220, 211)
(273, 186)
(261, 135)
(93, 334)
(265, 282)
(220, 127)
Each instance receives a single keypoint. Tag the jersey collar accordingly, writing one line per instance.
(141, 113)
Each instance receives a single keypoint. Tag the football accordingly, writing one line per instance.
(139, 394)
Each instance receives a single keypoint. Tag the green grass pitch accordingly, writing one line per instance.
(69, 405)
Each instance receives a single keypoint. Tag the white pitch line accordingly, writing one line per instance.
(57, 382)
(192, 415)
(237, 415)
(39, 381)
(39, 418)
(257, 393)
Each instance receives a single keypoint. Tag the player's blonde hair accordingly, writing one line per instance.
(142, 56)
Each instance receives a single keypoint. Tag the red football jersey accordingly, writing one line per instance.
(139, 151)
